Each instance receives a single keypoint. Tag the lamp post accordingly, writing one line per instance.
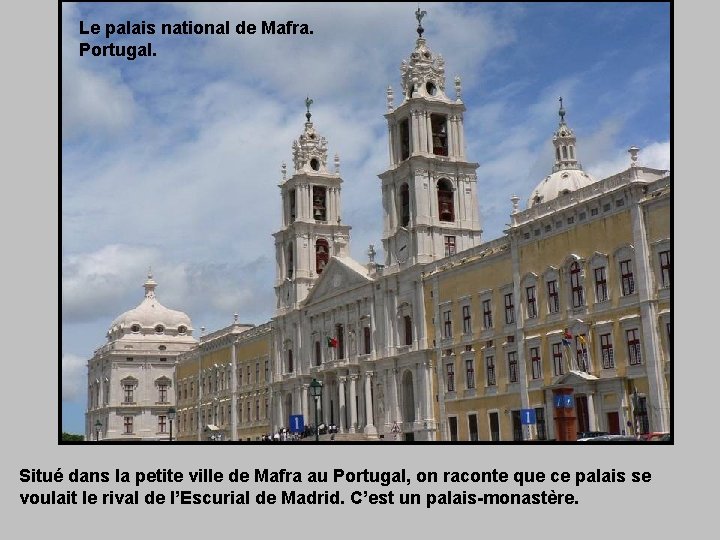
(171, 417)
(98, 427)
(316, 391)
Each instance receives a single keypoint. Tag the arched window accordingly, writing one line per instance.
(557, 153)
(564, 151)
(322, 253)
(404, 205)
(319, 203)
(572, 153)
(446, 206)
(290, 262)
(289, 361)
(576, 287)
(438, 124)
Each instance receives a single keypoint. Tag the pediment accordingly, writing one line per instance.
(340, 274)
(573, 377)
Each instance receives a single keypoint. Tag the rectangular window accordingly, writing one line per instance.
(490, 368)
(408, 329)
(473, 427)
(606, 351)
(665, 268)
(531, 302)
(512, 367)
(290, 368)
(553, 297)
(447, 324)
(557, 359)
(368, 342)
(494, 426)
(291, 200)
(487, 314)
(128, 393)
(517, 426)
(257, 409)
(452, 424)
(581, 353)
(449, 246)
(267, 371)
(576, 287)
(128, 423)
(162, 393)
(633, 343)
(535, 363)
(450, 377)
(257, 372)
(540, 423)
(467, 326)
(470, 373)
(628, 282)
(509, 309)
(601, 293)
(249, 418)
(240, 376)
(162, 423)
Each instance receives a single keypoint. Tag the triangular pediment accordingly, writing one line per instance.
(572, 378)
(340, 274)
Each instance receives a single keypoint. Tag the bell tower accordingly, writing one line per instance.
(311, 229)
(429, 191)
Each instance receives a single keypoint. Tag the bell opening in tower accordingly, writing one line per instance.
(404, 205)
(291, 197)
(322, 252)
(438, 124)
(319, 208)
(446, 206)
(290, 262)
(404, 139)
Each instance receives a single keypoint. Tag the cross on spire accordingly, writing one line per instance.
(561, 112)
(419, 16)
(308, 102)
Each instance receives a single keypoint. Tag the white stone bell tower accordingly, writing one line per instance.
(429, 191)
(311, 229)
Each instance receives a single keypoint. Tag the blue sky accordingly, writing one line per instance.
(173, 161)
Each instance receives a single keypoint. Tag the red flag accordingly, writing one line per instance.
(332, 342)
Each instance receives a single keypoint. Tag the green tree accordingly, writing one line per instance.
(72, 437)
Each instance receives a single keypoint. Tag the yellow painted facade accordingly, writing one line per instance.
(208, 379)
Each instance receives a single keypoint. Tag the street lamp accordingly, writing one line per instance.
(171, 417)
(98, 427)
(316, 391)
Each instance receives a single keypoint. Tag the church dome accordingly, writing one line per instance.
(567, 173)
(151, 317)
(559, 183)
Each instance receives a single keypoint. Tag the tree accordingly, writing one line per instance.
(72, 437)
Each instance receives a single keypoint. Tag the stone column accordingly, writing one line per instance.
(428, 128)
(304, 401)
(341, 403)
(451, 141)
(592, 420)
(233, 394)
(353, 403)
(326, 402)
(369, 423)
(394, 402)
(428, 390)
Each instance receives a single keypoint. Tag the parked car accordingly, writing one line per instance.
(584, 435)
(612, 438)
(655, 436)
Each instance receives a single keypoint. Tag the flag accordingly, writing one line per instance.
(332, 342)
(582, 340)
(566, 338)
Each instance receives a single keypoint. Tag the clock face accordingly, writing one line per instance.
(402, 246)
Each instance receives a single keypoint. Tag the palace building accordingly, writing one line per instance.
(560, 326)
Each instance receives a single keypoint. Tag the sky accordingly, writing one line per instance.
(173, 161)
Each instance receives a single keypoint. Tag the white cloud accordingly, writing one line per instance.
(655, 155)
(74, 377)
(95, 100)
